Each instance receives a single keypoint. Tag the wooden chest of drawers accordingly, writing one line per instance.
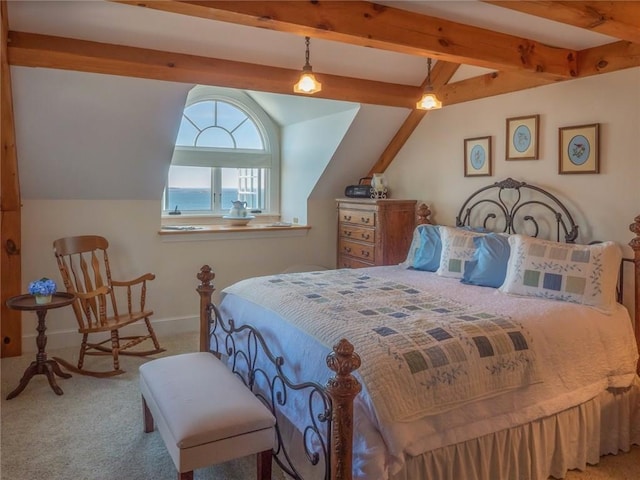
(374, 232)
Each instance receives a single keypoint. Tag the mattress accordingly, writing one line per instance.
(578, 354)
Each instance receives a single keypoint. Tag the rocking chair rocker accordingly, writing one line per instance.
(84, 266)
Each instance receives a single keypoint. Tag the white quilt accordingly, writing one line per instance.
(422, 353)
(579, 352)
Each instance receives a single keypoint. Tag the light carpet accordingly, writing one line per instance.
(94, 431)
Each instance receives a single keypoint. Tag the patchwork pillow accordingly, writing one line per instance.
(488, 267)
(457, 249)
(427, 255)
(584, 274)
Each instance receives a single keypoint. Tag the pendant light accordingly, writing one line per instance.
(307, 83)
(429, 101)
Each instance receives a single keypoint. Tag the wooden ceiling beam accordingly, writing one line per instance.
(608, 58)
(372, 25)
(10, 207)
(618, 19)
(593, 61)
(34, 50)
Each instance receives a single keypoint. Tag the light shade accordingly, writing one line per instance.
(307, 83)
(429, 101)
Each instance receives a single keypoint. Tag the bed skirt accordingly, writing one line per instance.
(545, 448)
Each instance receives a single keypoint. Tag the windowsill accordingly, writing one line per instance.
(179, 232)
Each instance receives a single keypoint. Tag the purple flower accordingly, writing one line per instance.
(44, 286)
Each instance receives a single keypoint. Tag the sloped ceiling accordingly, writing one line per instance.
(81, 122)
(91, 136)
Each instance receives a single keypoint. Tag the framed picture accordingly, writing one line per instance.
(477, 157)
(522, 138)
(579, 149)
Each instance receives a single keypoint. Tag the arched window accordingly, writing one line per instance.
(227, 149)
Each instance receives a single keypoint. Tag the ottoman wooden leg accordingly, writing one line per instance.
(148, 417)
(264, 465)
(185, 475)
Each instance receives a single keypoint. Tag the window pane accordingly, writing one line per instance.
(244, 184)
(201, 114)
(229, 187)
(229, 116)
(248, 136)
(215, 137)
(186, 134)
(189, 188)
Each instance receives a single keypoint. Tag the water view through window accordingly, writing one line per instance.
(198, 199)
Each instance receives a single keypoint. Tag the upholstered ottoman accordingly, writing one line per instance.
(204, 413)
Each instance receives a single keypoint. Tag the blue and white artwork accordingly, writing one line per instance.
(478, 157)
(522, 138)
(579, 150)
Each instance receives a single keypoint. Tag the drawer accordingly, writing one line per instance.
(350, 262)
(360, 217)
(357, 233)
(363, 251)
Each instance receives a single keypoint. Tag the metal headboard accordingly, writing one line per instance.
(517, 210)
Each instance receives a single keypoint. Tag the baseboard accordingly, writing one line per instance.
(164, 327)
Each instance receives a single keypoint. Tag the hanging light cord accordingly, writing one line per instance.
(429, 73)
(306, 55)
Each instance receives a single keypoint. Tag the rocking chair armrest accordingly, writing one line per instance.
(135, 281)
(104, 290)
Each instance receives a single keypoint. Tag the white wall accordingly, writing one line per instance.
(307, 148)
(429, 168)
(430, 165)
(136, 248)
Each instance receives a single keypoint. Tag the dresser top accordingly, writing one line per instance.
(373, 201)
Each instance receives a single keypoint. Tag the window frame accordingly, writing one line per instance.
(218, 158)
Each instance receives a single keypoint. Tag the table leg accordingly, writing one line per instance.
(42, 365)
(57, 370)
(49, 372)
(28, 373)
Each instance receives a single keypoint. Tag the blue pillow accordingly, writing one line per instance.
(427, 256)
(474, 229)
(488, 268)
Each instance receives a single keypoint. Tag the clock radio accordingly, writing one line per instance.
(362, 190)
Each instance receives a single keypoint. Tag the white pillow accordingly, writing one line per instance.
(585, 274)
(457, 249)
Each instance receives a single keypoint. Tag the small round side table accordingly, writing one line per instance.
(41, 365)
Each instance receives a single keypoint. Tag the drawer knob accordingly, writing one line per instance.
(347, 249)
(346, 233)
(365, 253)
(364, 219)
(366, 236)
(347, 218)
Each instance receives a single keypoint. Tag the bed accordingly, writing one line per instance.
(484, 355)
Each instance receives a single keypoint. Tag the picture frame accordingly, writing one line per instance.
(579, 149)
(522, 138)
(477, 157)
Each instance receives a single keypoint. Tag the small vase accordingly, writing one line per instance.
(43, 299)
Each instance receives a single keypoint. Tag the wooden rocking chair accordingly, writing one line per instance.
(84, 266)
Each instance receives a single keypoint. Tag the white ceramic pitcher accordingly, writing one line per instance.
(239, 209)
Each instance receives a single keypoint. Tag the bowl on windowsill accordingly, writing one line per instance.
(238, 221)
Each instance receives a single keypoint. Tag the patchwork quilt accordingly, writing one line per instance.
(421, 353)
